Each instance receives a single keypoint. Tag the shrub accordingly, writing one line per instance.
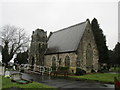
(92, 71)
(63, 68)
(80, 71)
(53, 68)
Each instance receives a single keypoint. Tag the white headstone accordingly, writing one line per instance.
(14, 67)
(2, 70)
(7, 74)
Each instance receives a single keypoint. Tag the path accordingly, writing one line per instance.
(65, 83)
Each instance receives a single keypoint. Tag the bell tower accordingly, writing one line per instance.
(38, 47)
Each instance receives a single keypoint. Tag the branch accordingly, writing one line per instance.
(12, 49)
(15, 36)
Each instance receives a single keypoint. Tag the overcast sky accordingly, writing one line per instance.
(53, 15)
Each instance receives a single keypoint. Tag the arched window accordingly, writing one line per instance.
(67, 61)
(60, 61)
(89, 56)
(54, 61)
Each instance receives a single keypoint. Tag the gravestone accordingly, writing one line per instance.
(7, 73)
(16, 76)
(2, 70)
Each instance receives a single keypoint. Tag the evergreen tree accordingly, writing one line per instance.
(117, 53)
(5, 54)
(21, 58)
(111, 57)
(100, 40)
(114, 55)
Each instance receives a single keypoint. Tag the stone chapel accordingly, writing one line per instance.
(73, 47)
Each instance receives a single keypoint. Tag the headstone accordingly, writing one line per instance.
(16, 76)
(7, 74)
(2, 70)
(14, 67)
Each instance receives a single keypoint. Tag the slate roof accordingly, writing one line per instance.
(66, 40)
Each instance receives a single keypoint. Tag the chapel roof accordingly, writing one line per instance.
(66, 40)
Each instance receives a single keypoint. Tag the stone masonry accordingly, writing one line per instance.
(85, 57)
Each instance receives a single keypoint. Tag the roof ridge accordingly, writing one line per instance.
(69, 27)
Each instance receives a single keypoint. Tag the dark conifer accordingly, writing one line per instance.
(116, 53)
(100, 41)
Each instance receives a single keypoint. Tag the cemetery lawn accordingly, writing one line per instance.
(100, 77)
(6, 83)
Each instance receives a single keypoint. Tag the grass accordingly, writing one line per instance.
(6, 83)
(101, 77)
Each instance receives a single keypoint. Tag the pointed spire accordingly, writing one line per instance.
(88, 20)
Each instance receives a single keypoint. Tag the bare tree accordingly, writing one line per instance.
(13, 39)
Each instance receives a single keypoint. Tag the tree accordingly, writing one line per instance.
(13, 40)
(111, 57)
(116, 52)
(21, 58)
(114, 55)
(100, 40)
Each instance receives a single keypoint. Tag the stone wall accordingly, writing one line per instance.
(88, 39)
(86, 57)
(73, 56)
(38, 47)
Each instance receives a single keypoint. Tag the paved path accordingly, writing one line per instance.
(67, 84)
